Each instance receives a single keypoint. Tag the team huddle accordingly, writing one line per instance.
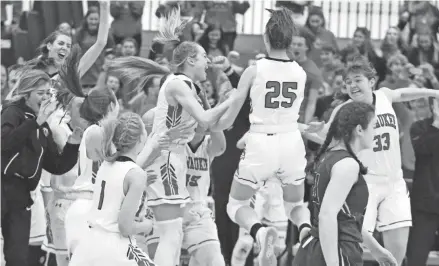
(141, 184)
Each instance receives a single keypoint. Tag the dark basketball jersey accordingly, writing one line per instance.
(350, 217)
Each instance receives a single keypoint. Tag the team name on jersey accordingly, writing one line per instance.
(197, 163)
(386, 120)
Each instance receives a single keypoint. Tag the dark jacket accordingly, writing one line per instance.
(425, 192)
(26, 149)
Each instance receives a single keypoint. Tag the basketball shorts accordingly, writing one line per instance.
(170, 187)
(310, 253)
(57, 212)
(76, 225)
(38, 225)
(280, 155)
(199, 229)
(100, 247)
(388, 206)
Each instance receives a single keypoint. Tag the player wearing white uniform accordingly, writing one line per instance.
(117, 194)
(274, 147)
(199, 229)
(388, 208)
(177, 105)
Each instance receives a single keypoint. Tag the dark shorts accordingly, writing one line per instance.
(310, 254)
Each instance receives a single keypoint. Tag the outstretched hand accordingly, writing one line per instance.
(314, 127)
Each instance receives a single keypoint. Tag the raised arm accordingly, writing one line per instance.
(409, 94)
(344, 175)
(94, 52)
(185, 97)
(238, 97)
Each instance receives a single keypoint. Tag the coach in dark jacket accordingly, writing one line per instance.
(425, 192)
(27, 148)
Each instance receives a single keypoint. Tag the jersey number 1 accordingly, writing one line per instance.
(285, 88)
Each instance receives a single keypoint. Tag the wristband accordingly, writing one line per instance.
(304, 225)
(228, 69)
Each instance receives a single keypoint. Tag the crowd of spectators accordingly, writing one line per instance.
(401, 60)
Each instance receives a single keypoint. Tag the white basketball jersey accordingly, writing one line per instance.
(277, 92)
(108, 194)
(198, 171)
(168, 116)
(87, 168)
(384, 158)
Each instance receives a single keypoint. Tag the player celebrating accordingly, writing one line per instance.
(178, 104)
(388, 208)
(339, 194)
(276, 87)
(117, 193)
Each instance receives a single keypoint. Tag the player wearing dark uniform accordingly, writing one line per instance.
(340, 194)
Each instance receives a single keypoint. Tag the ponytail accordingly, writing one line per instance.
(170, 29)
(324, 147)
(363, 169)
(136, 69)
(109, 127)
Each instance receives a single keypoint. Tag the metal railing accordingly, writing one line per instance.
(342, 16)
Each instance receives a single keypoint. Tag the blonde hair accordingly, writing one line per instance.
(123, 132)
(136, 69)
(28, 81)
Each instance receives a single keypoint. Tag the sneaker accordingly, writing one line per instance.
(267, 237)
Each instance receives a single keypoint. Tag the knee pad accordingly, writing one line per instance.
(289, 206)
(233, 206)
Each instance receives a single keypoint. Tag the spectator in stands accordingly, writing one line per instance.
(329, 63)
(86, 36)
(223, 13)
(127, 20)
(398, 69)
(417, 15)
(11, 79)
(146, 99)
(362, 42)
(325, 104)
(314, 80)
(129, 47)
(426, 50)
(316, 24)
(393, 43)
(65, 28)
(213, 41)
(425, 191)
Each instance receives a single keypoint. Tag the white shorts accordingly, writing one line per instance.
(199, 230)
(57, 212)
(100, 247)
(388, 206)
(38, 225)
(280, 155)
(170, 188)
(76, 224)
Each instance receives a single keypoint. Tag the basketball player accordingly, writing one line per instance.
(199, 229)
(276, 88)
(178, 104)
(388, 208)
(117, 193)
(268, 205)
(339, 194)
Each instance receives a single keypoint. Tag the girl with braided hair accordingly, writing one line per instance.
(339, 194)
(117, 194)
(389, 204)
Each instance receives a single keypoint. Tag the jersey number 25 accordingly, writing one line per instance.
(286, 89)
